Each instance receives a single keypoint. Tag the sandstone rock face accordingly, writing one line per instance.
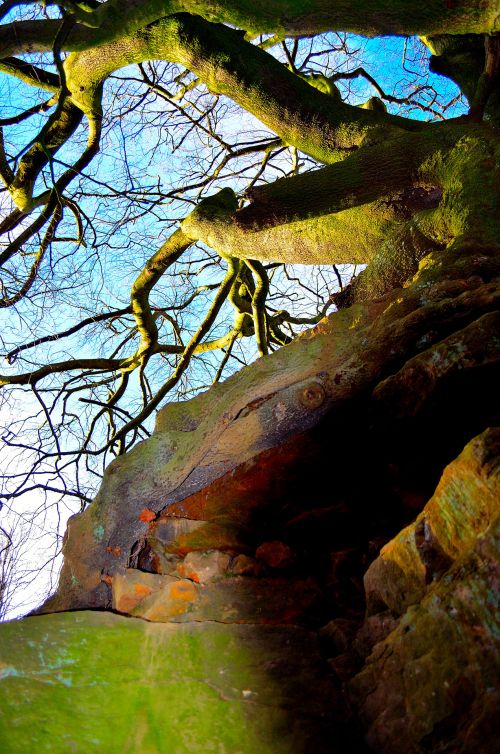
(238, 599)
(465, 503)
(218, 650)
(433, 683)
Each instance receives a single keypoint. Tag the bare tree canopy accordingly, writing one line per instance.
(164, 165)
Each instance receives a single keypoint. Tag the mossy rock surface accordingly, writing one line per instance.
(464, 505)
(95, 682)
(433, 684)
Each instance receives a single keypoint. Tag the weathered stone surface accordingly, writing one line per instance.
(97, 683)
(243, 565)
(265, 500)
(338, 635)
(434, 684)
(466, 501)
(475, 345)
(375, 628)
(247, 489)
(148, 594)
(180, 536)
(275, 554)
(204, 566)
(234, 600)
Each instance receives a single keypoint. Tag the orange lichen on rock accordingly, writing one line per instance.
(183, 591)
(142, 590)
(147, 515)
(187, 573)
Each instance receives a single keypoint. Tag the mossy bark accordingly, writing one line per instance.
(330, 216)
(114, 20)
(299, 113)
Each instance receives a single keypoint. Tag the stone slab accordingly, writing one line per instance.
(98, 683)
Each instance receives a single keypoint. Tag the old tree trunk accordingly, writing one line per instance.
(309, 549)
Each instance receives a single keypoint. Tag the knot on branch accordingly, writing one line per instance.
(214, 207)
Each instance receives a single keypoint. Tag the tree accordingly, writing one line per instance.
(365, 186)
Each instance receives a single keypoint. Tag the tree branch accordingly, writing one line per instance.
(183, 363)
(155, 267)
(298, 113)
(7, 301)
(113, 20)
(31, 378)
(30, 74)
(258, 304)
(332, 215)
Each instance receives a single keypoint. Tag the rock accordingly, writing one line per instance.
(251, 487)
(374, 629)
(204, 567)
(434, 683)
(98, 683)
(243, 565)
(262, 408)
(144, 558)
(292, 451)
(343, 563)
(180, 536)
(274, 554)
(235, 599)
(464, 504)
(266, 407)
(338, 634)
(344, 666)
(141, 594)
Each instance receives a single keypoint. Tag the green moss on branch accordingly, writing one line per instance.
(115, 20)
(297, 112)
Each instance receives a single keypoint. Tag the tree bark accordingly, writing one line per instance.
(113, 21)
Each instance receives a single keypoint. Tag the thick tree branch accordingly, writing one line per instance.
(114, 20)
(56, 132)
(258, 304)
(489, 79)
(332, 215)
(30, 74)
(298, 113)
(155, 267)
